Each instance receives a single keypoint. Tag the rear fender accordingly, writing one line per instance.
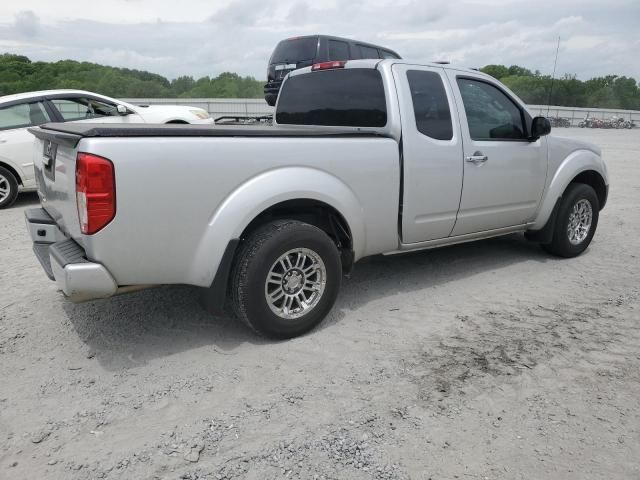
(263, 191)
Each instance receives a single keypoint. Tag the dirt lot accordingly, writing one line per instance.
(487, 360)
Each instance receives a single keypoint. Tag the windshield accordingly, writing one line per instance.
(295, 50)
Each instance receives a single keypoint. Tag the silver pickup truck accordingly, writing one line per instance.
(366, 157)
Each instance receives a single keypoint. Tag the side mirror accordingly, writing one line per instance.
(122, 110)
(540, 126)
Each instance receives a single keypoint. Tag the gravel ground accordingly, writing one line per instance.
(479, 361)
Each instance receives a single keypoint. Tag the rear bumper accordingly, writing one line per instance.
(64, 261)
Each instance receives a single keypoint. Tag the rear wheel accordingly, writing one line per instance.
(576, 222)
(286, 278)
(8, 188)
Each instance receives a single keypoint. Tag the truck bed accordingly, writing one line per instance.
(71, 133)
(184, 191)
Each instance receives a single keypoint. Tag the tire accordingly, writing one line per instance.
(8, 188)
(578, 201)
(276, 249)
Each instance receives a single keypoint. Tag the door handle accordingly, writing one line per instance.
(477, 158)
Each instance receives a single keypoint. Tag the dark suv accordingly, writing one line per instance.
(298, 52)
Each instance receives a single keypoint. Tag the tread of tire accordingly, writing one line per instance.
(249, 247)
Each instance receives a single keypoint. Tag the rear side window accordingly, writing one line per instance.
(342, 98)
(295, 50)
(430, 104)
(83, 108)
(368, 52)
(72, 109)
(23, 115)
(338, 50)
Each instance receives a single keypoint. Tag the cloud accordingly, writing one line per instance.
(26, 24)
(239, 35)
(241, 13)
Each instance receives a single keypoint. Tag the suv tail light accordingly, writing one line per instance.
(95, 192)
(328, 65)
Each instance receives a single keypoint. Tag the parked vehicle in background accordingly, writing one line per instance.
(18, 112)
(299, 52)
(613, 122)
(365, 157)
(619, 123)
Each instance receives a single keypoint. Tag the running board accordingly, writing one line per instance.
(469, 237)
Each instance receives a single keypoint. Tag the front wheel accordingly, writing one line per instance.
(576, 222)
(8, 188)
(286, 278)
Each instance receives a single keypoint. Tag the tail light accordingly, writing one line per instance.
(95, 192)
(328, 65)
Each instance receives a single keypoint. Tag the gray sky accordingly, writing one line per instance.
(207, 37)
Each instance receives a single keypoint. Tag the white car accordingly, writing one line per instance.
(18, 112)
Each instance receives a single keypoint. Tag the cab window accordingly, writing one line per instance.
(23, 115)
(351, 97)
(491, 114)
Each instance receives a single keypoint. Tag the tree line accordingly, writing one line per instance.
(19, 74)
(611, 91)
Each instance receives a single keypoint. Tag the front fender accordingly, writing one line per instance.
(259, 193)
(574, 164)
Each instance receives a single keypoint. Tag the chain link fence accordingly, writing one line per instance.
(575, 115)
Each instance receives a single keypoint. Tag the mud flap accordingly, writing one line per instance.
(545, 234)
(212, 299)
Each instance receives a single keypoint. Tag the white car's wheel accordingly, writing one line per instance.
(8, 188)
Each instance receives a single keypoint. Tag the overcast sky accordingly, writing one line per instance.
(207, 37)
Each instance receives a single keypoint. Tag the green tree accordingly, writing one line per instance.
(496, 71)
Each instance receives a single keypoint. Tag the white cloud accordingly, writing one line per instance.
(26, 24)
(198, 37)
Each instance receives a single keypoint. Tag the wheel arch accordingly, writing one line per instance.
(595, 181)
(314, 212)
(314, 196)
(13, 171)
(581, 166)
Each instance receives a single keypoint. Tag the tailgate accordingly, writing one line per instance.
(54, 160)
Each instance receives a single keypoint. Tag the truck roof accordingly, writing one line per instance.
(377, 63)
